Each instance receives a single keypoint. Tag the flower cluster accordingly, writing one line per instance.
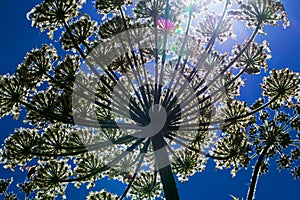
(275, 138)
(103, 195)
(49, 178)
(86, 164)
(66, 71)
(19, 146)
(36, 66)
(52, 14)
(236, 115)
(253, 58)
(233, 151)
(81, 30)
(261, 12)
(190, 6)
(186, 164)
(112, 27)
(230, 85)
(282, 85)
(106, 6)
(210, 27)
(150, 9)
(146, 186)
(12, 93)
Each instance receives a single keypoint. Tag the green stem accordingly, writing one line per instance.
(165, 172)
(255, 174)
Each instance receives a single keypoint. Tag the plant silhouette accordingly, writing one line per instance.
(145, 96)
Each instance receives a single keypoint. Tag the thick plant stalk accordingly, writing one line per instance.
(255, 174)
(165, 172)
(169, 185)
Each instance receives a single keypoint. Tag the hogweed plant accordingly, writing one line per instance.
(144, 95)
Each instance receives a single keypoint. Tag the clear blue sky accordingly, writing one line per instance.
(18, 37)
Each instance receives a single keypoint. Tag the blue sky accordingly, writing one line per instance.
(18, 37)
